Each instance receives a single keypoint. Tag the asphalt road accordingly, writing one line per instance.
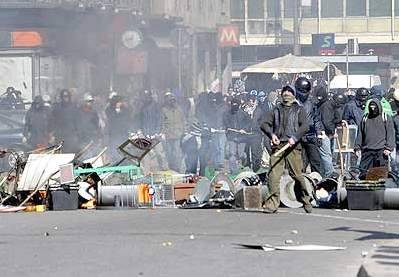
(173, 242)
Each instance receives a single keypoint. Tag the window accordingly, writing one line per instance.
(237, 9)
(255, 9)
(355, 7)
(310, 11)
(331, 8)
(380, 7)
(273, 8)
(289, 8)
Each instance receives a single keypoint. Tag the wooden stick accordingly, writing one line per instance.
(238, 131)
(282, 150)
(341, 157)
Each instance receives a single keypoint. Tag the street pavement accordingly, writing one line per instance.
(175, 242)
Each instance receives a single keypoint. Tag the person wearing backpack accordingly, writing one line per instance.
(376, 137)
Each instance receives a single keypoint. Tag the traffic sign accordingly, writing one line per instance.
(323, 44)
(228, 36)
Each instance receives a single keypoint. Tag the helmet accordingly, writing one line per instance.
(340, 98)
(396, 95)
(362, 94)
(303, 85)
(321, 93)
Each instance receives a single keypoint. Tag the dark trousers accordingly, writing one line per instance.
(311, 155)
(372, 158)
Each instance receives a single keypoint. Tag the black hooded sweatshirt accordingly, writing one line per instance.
(376, 133)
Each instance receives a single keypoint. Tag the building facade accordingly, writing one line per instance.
(125, 45)
(268, 28)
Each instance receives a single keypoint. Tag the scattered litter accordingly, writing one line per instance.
(378, 216)
(46, 234)
(218, 210)
(55, 228)
(294, 232)
(192, 237)
(374, 245)
(364, 254)
(305, 247)
(289, 241)
(345, 210)
(11, 209)
(167, 243)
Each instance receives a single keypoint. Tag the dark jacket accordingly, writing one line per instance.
(37, 128)
(239, 120)
(286, 122)
(328, 116)
(353, 113)
(376, 133)
(396, 126)
(313, 119)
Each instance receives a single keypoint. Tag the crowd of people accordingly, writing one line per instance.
(226, 131)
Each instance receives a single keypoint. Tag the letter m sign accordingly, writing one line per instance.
(228, 36)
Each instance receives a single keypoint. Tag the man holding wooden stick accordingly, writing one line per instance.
(285, 126)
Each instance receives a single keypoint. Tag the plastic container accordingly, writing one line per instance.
(64, 197)
(364, 195)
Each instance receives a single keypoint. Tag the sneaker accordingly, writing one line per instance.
(308, 208)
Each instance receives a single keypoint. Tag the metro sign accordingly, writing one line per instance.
(228, 36)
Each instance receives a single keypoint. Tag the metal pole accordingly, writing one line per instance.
(328, 76)
(393, 19)
(219, 66)
(194, 63)
(179, 58)
(297, 45)
(347, 64)
(318, 16)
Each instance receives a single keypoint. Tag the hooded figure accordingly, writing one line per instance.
(311, 152)
(353, 111)
(37, 131)
(376, 137)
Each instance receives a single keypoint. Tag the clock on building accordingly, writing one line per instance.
(131, 39)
